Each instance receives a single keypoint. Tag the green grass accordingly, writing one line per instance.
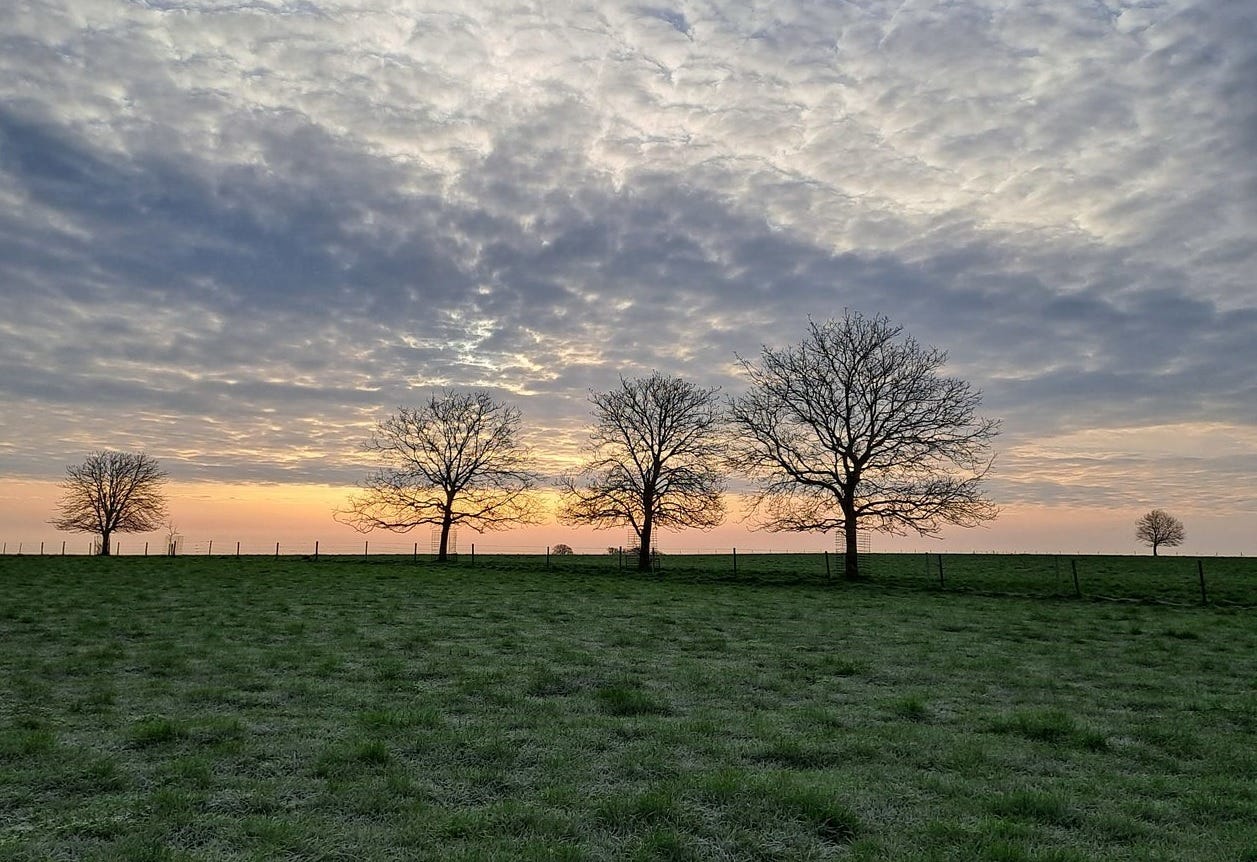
(259, 708)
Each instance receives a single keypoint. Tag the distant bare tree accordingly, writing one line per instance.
(112, 492)
(172, 537)
(855, 427)
(562, 550)
(656, 462)
(457, 460)
(1158, 528)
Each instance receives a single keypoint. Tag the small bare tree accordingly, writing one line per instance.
(1158, 528)
(172, 537)
(855, 428)
(457, 460)
(656, 462)
(112, 492)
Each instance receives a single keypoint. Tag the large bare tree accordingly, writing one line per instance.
(1158, 528)
(456, 461)
(854, 428)
(112, 492)
(656, 461)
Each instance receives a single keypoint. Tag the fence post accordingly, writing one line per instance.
(210, 552)
(237, 549)
(316, 549)
(547, 556)
(416, 554)
(41, 549)
(735, 562)
(473, 553)
(277, 550)
(828, 575)
(941, 583)
(1200, 569)
(366, 544)
(1073, 565)
(63, 549)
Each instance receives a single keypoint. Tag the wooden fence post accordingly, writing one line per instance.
(1073, 565)
(1200, 569)
(942, 584)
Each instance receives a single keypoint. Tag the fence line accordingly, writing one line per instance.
(366, 547)
(1179, 579)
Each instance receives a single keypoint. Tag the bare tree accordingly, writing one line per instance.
(172, 537)
(457, 460)
(1159, 527)
(562, 550)
(854, 428)
(656, 461)
(112, 492)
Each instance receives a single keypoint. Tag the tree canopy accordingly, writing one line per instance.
(656, 461)
(112, 492)
(1158, 528)
(855, 428)
(456, 460)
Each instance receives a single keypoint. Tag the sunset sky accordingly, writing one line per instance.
(236, 234)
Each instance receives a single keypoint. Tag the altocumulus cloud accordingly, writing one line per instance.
(236, 233)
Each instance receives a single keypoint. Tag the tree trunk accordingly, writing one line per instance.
(443, 550)
(104, 544)
(1154, 549)
(851, 558)
(643, 550)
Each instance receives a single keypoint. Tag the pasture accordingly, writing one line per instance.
(259, 708)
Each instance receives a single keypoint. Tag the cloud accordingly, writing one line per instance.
(235, 235)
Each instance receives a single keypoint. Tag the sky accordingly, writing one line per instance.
(236, 234)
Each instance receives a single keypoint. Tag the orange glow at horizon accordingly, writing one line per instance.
(298, 515)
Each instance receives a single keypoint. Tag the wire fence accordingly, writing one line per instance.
(1218, 581)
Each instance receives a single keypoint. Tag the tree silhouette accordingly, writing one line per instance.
(656, 461)
(1158, 528)
(854, 428)
(457, 460)
(112, 492)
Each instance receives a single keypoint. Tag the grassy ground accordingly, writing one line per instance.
(1228, 580)
(260, 709)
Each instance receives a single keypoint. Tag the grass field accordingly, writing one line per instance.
(1229, 581)
(260, 708)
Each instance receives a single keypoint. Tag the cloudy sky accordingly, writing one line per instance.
(234, 234)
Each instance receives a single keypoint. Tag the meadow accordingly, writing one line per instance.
(262, 708)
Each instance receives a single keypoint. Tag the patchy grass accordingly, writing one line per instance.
(261, 708)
